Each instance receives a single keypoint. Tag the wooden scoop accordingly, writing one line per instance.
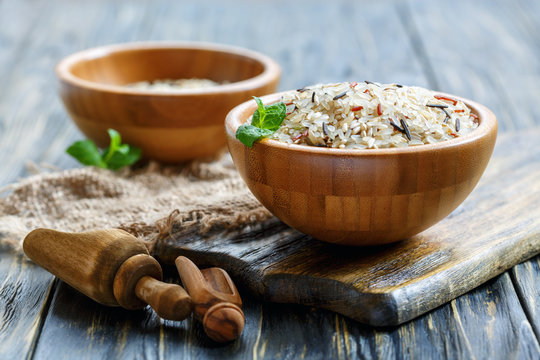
(216, 301)
(110, 266)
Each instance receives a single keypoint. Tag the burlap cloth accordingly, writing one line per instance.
(147, 202)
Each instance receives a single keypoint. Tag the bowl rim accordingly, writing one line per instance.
(271, 69)
(238, 115)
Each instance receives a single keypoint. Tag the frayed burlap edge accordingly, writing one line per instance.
(148, 202)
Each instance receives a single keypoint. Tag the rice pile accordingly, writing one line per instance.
(371, 115)
(169, 85)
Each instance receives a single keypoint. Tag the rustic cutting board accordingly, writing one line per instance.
(497, 227)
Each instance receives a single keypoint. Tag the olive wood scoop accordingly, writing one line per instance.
(216, 301)
(110, 266)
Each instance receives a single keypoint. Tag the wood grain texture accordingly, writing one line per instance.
(126, 280)
(393, 284)
(480, 324)
(361, 197)
(169, 301)
(31, 110)
(216, 302)
(351, 41)
(169, 127)
(24, 290)
(137, 283)
(111, 267)
(508, 85)
(524, 277)
(87, 261)
(32, 101)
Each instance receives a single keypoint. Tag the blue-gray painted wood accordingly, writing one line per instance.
(483, 50)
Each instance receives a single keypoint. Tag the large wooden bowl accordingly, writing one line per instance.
(170, 127)
(362, 197)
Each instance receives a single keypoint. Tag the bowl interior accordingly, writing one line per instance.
(124, 66)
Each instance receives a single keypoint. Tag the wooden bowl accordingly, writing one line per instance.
(362, 197)
(170, 127)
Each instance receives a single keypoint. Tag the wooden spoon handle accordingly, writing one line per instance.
(138, 282)
(206, 287)
(170, 301)
(216, 302)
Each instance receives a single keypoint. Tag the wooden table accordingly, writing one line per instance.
(485, 50)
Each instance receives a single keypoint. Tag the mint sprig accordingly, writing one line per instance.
(265, 121)
(114, 157)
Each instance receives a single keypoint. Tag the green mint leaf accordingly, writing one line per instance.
(124, 149)
(265, 121)
(116, 139)
(108, 153)
(275, 114)
(115, 142)
(248, 134)
(124, 156)
(87, 153)
(114, 157)
(259, 114)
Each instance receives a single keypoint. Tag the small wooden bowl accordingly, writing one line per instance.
(170, 127)
(362, 197)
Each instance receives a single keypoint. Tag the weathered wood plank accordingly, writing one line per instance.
(525, 277)
(33, 102)
(24, 288)
(522, 15)
(34, 126)
(479, 324)
(89, 330)
(327, 42)
(305, 60)
(496, 65)
(14, 36)
(501, 73)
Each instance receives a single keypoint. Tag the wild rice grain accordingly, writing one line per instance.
(437, 106)
(339, 96)
(371, 83)
(448, 117)
(396, 126)
(406, 129)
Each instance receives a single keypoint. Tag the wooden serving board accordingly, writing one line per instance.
(497, 227)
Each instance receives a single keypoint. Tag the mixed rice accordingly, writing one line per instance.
(371, 115)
